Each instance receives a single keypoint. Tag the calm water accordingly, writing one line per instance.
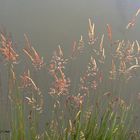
(49, 23)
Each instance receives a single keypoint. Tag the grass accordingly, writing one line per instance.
(95, 108)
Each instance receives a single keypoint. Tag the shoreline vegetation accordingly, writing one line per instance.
(95, 108)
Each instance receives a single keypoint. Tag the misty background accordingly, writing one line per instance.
(49, 23)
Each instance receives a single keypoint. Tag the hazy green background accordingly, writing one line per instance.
(53, 22)
(49, 23)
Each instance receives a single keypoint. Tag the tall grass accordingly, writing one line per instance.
(95, 110)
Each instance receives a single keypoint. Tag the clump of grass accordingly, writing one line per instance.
(95, 110)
